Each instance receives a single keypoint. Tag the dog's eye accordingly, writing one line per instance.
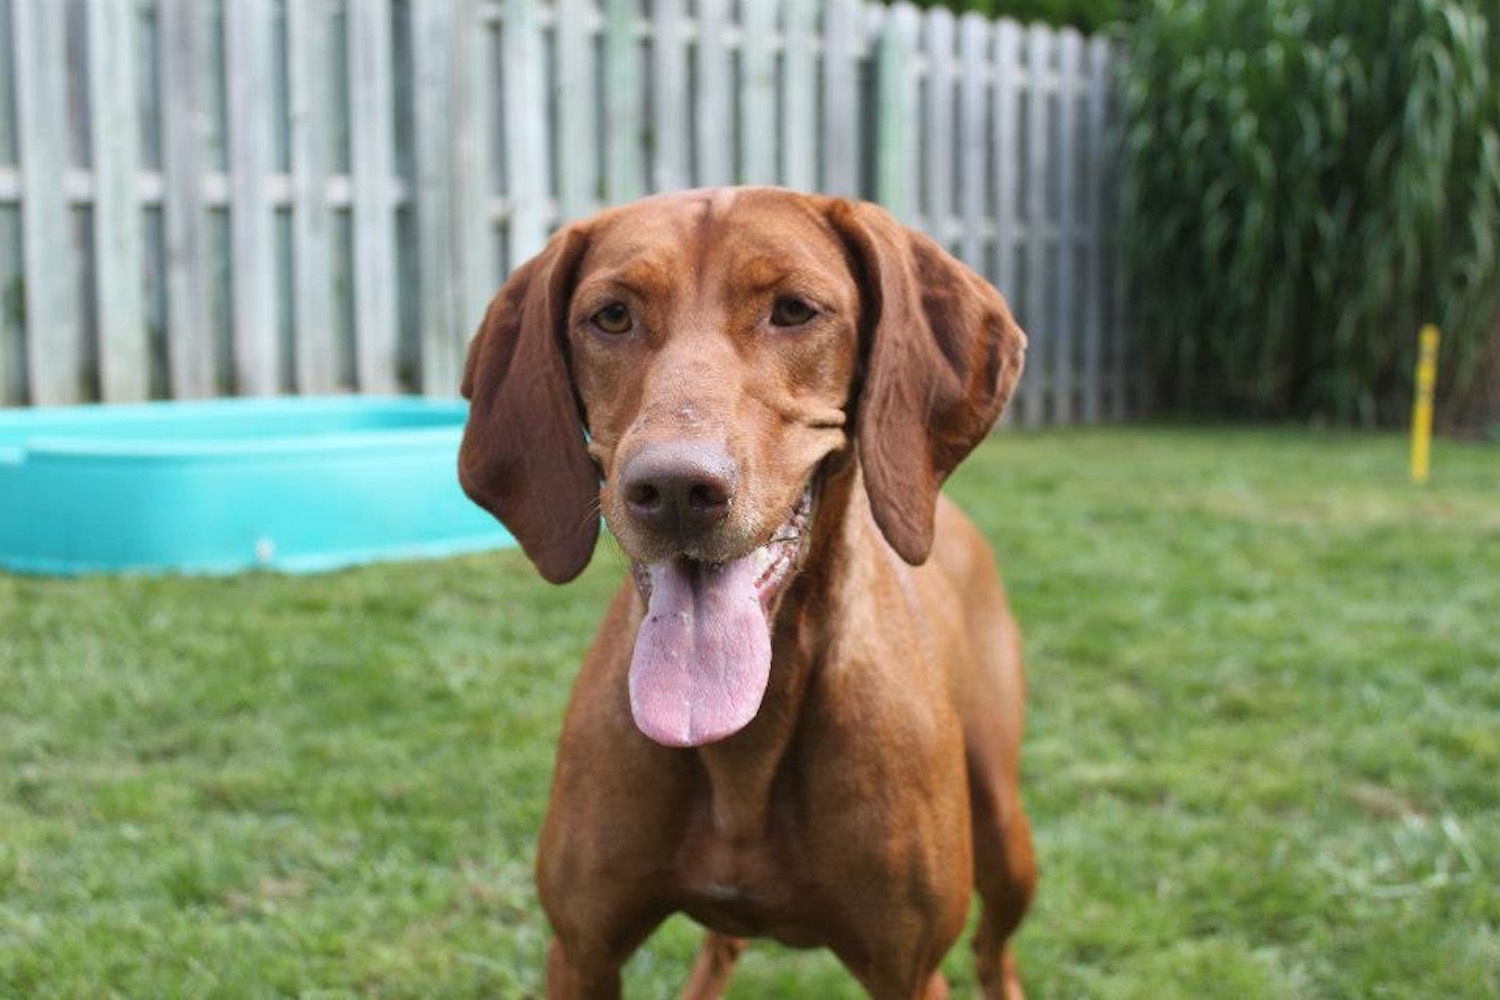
(791, 311)
(613, 318)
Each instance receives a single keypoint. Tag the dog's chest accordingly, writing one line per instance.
(749, 887)
(751, 892)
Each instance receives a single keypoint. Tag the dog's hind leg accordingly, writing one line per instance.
(1005, 875)
(1004, 861)
(710, 976)
(989, 688)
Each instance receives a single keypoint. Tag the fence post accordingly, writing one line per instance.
(49, 265)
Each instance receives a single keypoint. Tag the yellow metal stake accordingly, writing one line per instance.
(1421, 411)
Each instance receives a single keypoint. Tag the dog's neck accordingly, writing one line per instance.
(742, 770)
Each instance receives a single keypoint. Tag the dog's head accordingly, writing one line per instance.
(685, 365)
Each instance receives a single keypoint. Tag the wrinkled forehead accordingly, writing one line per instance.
(728, 237)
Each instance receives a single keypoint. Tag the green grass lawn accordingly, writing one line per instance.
(1263, 757)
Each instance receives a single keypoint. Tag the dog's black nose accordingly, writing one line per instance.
(678, 487)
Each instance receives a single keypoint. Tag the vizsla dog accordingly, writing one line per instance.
(801, 717)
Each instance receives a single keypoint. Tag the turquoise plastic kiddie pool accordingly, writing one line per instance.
(224, 485)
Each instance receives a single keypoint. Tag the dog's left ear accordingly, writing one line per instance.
(523, 456)
(942, 355)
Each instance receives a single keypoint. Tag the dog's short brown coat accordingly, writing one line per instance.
(878, 783)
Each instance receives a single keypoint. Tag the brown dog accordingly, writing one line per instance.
(801, 717)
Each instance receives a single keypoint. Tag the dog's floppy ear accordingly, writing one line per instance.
(523, 456)
(941, 357)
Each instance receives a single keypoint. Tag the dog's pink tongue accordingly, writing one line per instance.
(703, 654)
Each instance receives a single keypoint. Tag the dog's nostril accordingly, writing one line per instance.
(644, 497)
(707, 498)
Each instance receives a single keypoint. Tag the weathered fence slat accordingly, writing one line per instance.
(622, 120)
(1037, 317)
(1126, 368)
(370, 167)
(1007, 174)
(841, 133)
(713, 102)
(1095, 247)
(184, 36)
(309, 55)
(973, 145)
(937, 144)
(439, 311)
(669, 97)
(54, 346)
(577, 111)
(895, 139)
(758, 93)
(470, 140)
(1007, 152)
(13, 382)
(247, 45)
(1065, 257)
(799, 98)
(124, 364)
(525, 149)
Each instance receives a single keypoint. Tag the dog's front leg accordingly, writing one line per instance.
(597, 925)
(569, 981)
(598, 918)
(584, 965)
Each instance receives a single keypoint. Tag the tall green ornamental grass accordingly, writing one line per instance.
(1308, 182)
(1086, 15)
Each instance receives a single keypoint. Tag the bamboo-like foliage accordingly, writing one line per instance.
(1307, 182)
(1087, 15)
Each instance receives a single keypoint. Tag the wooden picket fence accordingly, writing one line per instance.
(207, 197)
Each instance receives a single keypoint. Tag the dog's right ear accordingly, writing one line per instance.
(941, 355)
(523, 456)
